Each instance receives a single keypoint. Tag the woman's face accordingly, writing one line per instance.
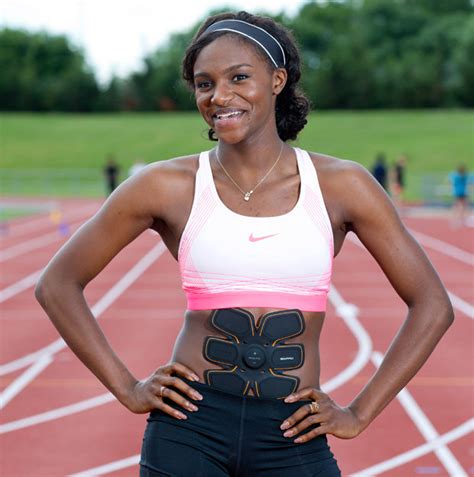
(235, 89)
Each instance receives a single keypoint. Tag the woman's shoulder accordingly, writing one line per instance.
(168, 174)
(160, 185)
(347, 186)
(343, 170)
(176, 168)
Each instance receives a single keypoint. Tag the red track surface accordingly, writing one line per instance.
(142, 322)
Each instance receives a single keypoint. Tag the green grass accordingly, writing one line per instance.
(434, 141)
(6, 214)
(10, 210)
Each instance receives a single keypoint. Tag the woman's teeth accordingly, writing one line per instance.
(228, 115)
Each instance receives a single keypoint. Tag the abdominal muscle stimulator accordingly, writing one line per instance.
(253, 355)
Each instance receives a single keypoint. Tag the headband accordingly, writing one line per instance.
(258, 35)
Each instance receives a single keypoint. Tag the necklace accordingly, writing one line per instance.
(250, 192)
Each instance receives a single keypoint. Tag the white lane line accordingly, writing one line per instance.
(57, 413)
(461, 305)
(14, 388)
(19, 286)
(425, 426)
(349, 313)
(28, 359)
(135, 272)
(107, 468)
(417, 452)
(458, 303)
(44, 222)
(444, 248)
(34, 244)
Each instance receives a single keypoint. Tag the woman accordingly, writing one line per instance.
(255, 240)
(398, 183)
(459, 183)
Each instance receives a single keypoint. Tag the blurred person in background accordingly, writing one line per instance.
(111, 173)
(460, 191)
(379, 170)
(397, 182)
(254, 224)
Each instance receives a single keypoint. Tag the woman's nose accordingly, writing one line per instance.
(222, 94)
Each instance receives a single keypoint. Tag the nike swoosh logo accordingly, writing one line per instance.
(257, 239)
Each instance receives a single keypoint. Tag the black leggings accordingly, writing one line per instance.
(231, 436)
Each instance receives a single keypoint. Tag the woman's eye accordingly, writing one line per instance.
(240, 77)
(203, 84)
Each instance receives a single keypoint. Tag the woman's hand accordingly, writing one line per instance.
(332, 419)
(163, 383)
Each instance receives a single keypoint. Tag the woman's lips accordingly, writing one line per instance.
(227, 118)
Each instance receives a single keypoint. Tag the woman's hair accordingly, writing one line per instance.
(292, 106)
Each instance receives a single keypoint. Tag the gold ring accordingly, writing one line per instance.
(162, 388)
(314, 407)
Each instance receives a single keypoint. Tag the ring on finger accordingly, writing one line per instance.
(162, 389)
(314, 407)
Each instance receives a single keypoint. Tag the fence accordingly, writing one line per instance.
(53, 182)
(435, 189)
(430, 189)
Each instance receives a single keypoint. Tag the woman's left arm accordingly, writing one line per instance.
(370, 214)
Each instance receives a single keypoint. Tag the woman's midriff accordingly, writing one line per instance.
(188, 348)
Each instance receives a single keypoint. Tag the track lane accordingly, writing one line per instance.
(130, 344)
(369, 448)
(389, 308)
(26, 228)
(440, 228)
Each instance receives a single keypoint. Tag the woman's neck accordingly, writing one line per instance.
(250, 155)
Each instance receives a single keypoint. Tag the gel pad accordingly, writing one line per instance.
(253, 355)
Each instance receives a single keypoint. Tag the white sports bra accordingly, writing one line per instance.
(230, 260)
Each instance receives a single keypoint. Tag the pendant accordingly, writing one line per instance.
(247, 195)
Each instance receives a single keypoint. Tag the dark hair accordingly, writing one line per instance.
(292, 106)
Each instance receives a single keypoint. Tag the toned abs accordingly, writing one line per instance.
(188, 349)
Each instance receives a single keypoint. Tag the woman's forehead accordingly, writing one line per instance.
(228, 49)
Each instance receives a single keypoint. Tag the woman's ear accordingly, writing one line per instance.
(280, 76)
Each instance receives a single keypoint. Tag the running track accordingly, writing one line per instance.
(58, 420)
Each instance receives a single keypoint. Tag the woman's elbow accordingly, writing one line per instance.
(50, 286)
(44, 289)
(444, 313)
(449, 314)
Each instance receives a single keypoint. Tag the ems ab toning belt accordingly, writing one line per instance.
(253, 355)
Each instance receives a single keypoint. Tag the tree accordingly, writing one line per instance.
(159, 85)
(355, 54)
(441, 7)
(42, 72)
(320, 30)
(464, 66)
(112, 96)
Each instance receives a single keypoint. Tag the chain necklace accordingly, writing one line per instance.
(250, 192)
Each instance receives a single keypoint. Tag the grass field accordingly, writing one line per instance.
(71, 149)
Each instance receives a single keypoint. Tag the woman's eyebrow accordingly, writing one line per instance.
(227, 70)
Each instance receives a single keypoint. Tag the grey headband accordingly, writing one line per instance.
(258, 35)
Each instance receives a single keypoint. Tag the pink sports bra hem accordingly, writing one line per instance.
(256, 300)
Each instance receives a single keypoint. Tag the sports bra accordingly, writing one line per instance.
(228, 260)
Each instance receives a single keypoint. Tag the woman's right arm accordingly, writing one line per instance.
(129, 211)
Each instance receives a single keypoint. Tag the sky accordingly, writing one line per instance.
(116, 35)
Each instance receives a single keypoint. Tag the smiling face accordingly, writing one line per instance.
(236, 89)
